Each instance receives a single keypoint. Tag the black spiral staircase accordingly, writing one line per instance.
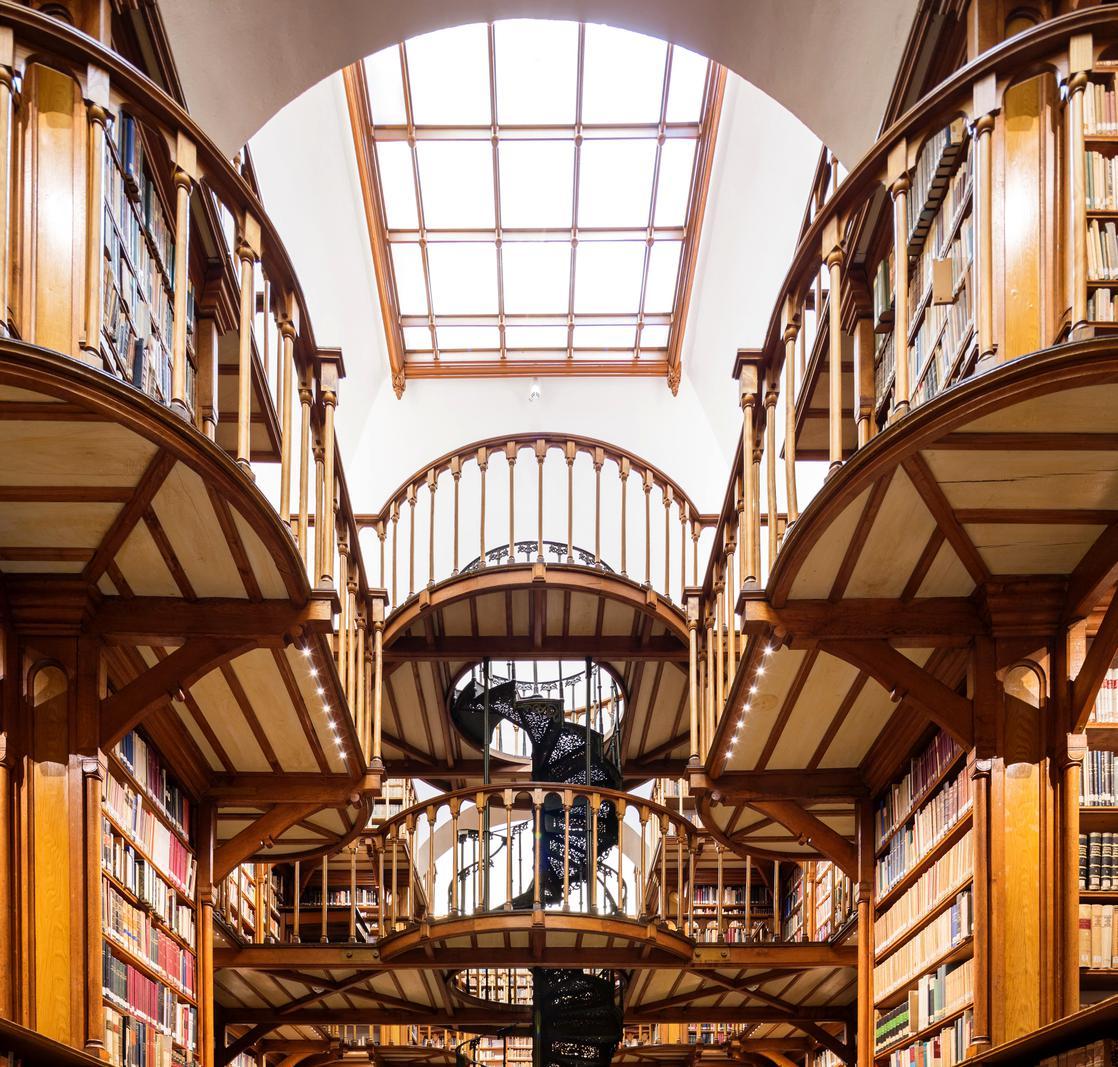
(576, 1018)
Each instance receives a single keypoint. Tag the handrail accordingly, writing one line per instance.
(826, 297)
(667, 574)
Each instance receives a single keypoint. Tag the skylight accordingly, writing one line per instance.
(534, 192)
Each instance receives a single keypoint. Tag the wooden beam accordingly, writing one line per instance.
(193, 660)
(929, 621)
(898, 674)
(169, 621)
(1093, 575)
(1091, 675)
(249, 841)
(805, 825)
(832, 783)
(265, 788)
(231, 1051)
(414, 649)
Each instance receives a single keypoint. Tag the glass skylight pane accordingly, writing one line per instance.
(463, 278)
(615, 183)
(417, 338)
(397, 182)
(673, 189)
(456, 183)
(623, 76)
(384, 78)
(537, 182)
(685, 88)
(407, 264)
(537, 277)
(605, 336)
(663, 270)
(449, 75)
(535, 336)
(608, 276)
(537, 72)
(469, 337)
(655, 336)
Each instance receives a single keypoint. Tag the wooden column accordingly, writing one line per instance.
(96, 105)
(791, 329)
(186, 173)
(331, 370)
(7, 60)
(248, 252)
(305, 460)
(898, 190)
(204, 898)
(770, 471)
(289, 329)
(1080, 59)
(980, 786)
(378, 600)
(1069, 768)
(691, 597)
(8, 933)
(863, 893)
(865, 398)
(984, 106)
(834, 259)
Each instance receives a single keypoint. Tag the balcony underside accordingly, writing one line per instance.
(986, 512)
(122, 522)
(533, 612)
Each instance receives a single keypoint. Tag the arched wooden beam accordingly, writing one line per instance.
(553, 576)
(802, 823)
(249, 841)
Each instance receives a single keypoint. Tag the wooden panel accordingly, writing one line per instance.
(219, 706)
(309, 689)
(1010, 549)
(818, 701)
(867, 717)
(764, 708)
(1092, 408)
(143, 566)
(260, 559)
(71, 453)
(41, 525)
(817, 573)
(265, 690)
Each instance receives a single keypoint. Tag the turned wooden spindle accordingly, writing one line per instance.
(305, 459)
(298, 893)
(718, 912)
(537, 807)
(412, 496)
(395, 877)
(623, 474)
(679, 879)
(324, 905)
(985, 96)
(541, 455)
(456, 476)
(834, 260)
(432, 485)
(599, 460)
(353, 893)
(247, 252)
(662, 903)
(569, 453)
(319, 518)
(621, 806)
(483, 467)
(642, 881)
(379, 607)
(646, 485)
(342, 637)
(288, 333)
(693, 676)
(394, 516)
(770, 471)
(719, 661)
(899, 191)
(186, 173)
(376, 843)
(669, 499)
(511, 451)
(791, 330)
(429, 886)
(747, 370)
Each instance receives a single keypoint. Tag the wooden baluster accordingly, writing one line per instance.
(692, 851)
(352, 681)
(298, 894)
(770, 471)
(662, 903)
(288, 331)
(570, 453)
(791, 329)
(456, 476)
(696, 531)
(898, 189)
(325, 895)
(832, 250)
(394, 516)
(642, 882)
(679, 880)
(693, 678)
(353, 893)
(378, 605)
(728, 613)
(510, 454)
(362, 686)
(455, 809)
(378, 852)
(206, 387)
(592, 864)
(646, 484)
(483, 466)
(306, 457)
(865, 394)
(749, 898)
(382, 537)
(568, 800)
(411, 499)
(319, 511)
(508, 795)
(541, 455)
(432, 485)
(985, 102)
(186, 173)
(668, 500)
(683, 509)
(747, 370)
(599, 459)
(248, 252)
(395, 876)
(623, 473)
(413, 885)
(755, 513)
(429, 887)
(342, 638)
(719, 662)
(7, 62)
(537, 805)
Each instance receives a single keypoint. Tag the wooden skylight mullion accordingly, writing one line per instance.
(579, 73)
(498, 229)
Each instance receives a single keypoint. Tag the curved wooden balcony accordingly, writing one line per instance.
(133, 509)
(465, 579)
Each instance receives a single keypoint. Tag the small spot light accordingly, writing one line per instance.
(534, 391)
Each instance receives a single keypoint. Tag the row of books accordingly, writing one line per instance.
(884, 281)
(1101, 307)
(1102, 1053)
(834, 900)
(130, 1042)
(127, 866)
(759, 895)
(920, 835)
(148, 1000)
(1106, 703)
(1098, 946)
(1098, 862)
(150, 771)
(131, 811)
(1098, 787)
(954, 202)
(943, 933)
(1102, 250)
(1102, 181)
(933, 167)
(134, 929)
(938, 345)
(897, 802)
(943, 877)
(711, 1033)
(736, 932)
(1100, 111)
(945, 1049)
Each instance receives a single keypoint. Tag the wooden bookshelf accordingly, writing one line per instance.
(1082, 1027)
(149, 939)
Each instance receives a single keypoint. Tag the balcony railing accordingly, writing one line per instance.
(919, 242)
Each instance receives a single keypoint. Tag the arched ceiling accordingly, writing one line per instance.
(270, 51)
